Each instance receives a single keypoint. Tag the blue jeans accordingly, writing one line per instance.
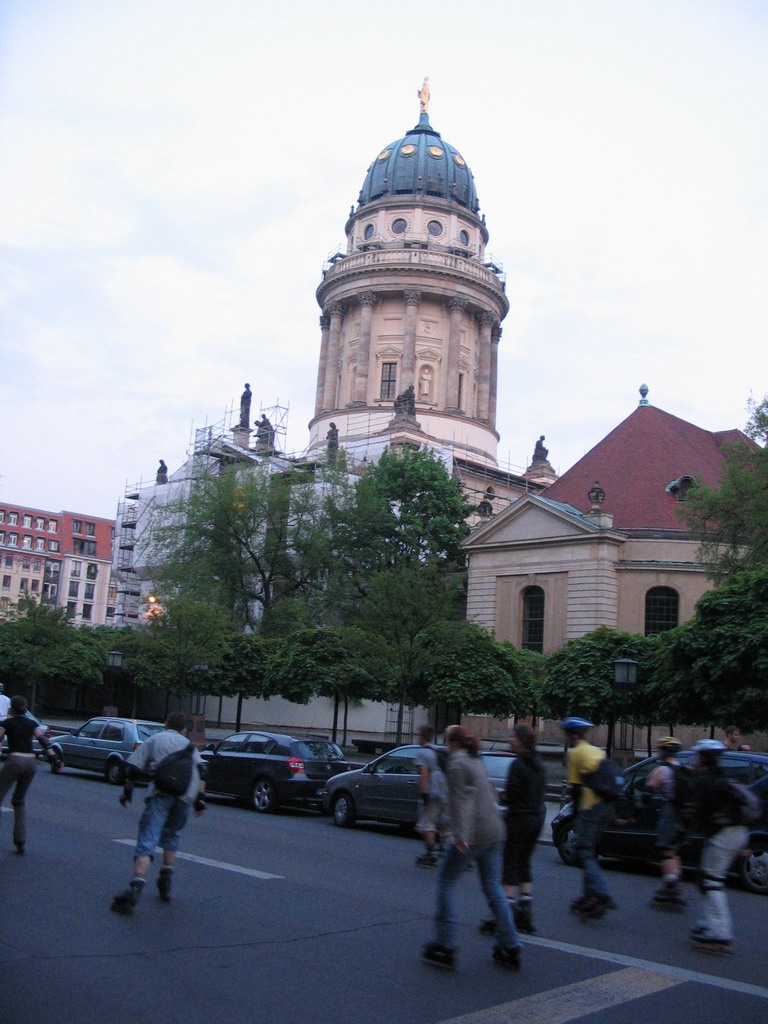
(487, 856)
(163, 819)
(590, 825)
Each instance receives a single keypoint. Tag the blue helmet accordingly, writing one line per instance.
(709, 746)
(575, 724)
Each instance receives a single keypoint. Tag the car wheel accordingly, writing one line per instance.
(343, 811)
(566, 845)
(753, 870)
(114, 773)
(263, 796)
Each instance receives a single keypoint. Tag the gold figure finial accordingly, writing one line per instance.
(423, 95)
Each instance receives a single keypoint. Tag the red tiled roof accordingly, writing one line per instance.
(636, 462)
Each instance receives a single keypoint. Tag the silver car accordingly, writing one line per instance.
(103, 745)
(387, 789)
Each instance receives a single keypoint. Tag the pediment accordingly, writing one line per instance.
(531, 519)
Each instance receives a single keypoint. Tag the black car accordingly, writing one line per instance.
(387, 789)
(635, 839)
(268, 769)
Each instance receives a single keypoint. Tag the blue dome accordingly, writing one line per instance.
(420, 164)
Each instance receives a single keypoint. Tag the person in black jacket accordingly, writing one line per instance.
(717, 816)
(21, 764)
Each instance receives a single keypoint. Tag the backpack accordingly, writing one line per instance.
(606, 781)
(442, 759)
(683, 798)
(174, 773)
(747, 805)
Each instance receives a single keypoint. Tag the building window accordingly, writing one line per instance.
(90, 591)
(110, 612)
(6, 582)
(26, 563)
(13, 540)
(662, 606)
(399, 226)
(75, 570)
(24, 583)
(389, 381)
(91, 571)
(13, 518)
(90, 529)
(36, 565)
(53, 545)
(84, 547)
(77, 526)
(74, 588)
(533, 619)
(2, 515)
(39, 523)
(35, 586)
(87, 612)
(39, 544)
(50, 590)
(461, 391)
(53, 525)
(2, 536)
(71, 609)
(26, 542)
(9, 561)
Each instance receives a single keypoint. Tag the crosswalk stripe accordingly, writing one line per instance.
(222, 865)
(571, 1002)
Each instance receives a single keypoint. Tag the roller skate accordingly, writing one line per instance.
(714, 947)
(592, 907)
(523, 914)
(164, 883)
(125, 901)
(669, 898)
(438, 955)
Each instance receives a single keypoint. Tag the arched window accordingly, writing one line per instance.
(533, 619)
(662, 605)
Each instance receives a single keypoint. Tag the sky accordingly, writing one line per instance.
(174, 173)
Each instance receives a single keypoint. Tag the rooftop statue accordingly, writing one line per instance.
(423, 95)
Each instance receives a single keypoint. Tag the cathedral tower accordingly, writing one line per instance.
(411, 312)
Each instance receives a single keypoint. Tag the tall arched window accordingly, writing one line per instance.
(533, 619)
(662, 606)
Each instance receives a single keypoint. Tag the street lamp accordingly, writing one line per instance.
(624, 682)
(197, 734)
(114, 661)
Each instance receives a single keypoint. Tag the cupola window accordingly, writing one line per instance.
(399, 226)
(434, 227)
(368, 232)
(464, 237)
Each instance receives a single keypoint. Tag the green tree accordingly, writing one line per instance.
(400, 604)
(407, 510)
(714, 669)
(244, 667)
(247, 538)
(345, 664)
(33, 643)
(731, 519)
(177, 639)
(578, 679)
(465, 667)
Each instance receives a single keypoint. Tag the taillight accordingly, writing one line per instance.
(135, 746)
(296, 765)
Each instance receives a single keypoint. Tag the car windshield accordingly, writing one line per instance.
(145, 731)
(497, 765)
(318, 750)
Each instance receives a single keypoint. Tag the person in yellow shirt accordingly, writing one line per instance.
(592, 817)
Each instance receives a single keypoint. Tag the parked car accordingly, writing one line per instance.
(387, 789)
(636, 838)
(268, 769)
(103, 745)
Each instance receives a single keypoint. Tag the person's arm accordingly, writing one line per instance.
(39, 734)
(424, 783)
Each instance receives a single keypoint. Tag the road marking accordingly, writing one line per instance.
(570, 1002)
(679, 973)
(252, 872)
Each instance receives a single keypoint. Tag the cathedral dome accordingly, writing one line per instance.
(420, 164)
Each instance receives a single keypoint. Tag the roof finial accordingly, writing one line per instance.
(643, 393)
(423, 95)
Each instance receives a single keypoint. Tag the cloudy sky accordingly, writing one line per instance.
(173, 174)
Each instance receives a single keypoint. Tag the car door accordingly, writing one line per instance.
(225, 763)
(392, 788)
(80, 749)
(112, 739)
(634, 832)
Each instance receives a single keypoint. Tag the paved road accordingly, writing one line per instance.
(287, 918)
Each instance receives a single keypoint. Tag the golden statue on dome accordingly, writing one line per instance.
(423, 94)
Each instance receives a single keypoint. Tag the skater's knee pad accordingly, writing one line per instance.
(710, 883)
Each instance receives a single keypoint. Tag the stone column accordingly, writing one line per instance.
(456, 307)
(325, 324)
(336, 314)
(408, 371)
(362, 367)
(486, 321)
(495, 339)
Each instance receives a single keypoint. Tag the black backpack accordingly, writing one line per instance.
(174, 773)
(606, 781)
